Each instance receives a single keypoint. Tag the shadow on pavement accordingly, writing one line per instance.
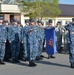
(53, 64)
(21, 63)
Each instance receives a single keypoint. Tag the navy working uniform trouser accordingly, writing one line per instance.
(2, 50)
(15, 49)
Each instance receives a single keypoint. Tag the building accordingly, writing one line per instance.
(67, 13)
(9, 11)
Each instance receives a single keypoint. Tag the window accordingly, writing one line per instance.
(46, 23)
(67, 22)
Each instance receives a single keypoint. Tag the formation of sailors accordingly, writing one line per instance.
(26, 42)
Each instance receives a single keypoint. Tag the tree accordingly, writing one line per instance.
(41, 8)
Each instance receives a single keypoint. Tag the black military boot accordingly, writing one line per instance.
(52, 56)
(25, 59)
(48, 57)
(13, 61)
(31, 63)
(72, 65)
(37, 58)
(17, 61)
(1, 62)
(41, 55)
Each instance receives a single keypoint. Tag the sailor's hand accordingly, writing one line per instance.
(22, 42)
(31, 30)
(9, 41)
(72, 32)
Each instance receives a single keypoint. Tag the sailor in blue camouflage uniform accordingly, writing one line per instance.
(15, 38)
(49, 27)
(3, 37)
(70, 28)
(33, 42)
(25, 40)
(7, 49)
(40, 39)
(66, 39)
(59, 36)
(21, 41)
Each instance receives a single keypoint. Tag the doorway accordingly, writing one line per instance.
(11, 18)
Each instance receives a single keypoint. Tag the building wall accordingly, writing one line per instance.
(63, 20)
(9, 8)
(17, 16)
(10, 12)
(23, 19)
(7, 16)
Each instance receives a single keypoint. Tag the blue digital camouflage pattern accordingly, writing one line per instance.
(7, 46)
(25, 42)
(70, 28)
(66, 41)
(21, 43)
(3, 37)
(13, 31)
(33, 42)
(59, 38)
(15, 37)
(40, 39)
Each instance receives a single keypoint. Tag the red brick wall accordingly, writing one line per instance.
(7, 17)
(17, 16)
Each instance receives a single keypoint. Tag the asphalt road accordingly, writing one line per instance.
(58, 66)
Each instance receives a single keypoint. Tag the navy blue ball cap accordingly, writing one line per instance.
(9, 23)
(5, 21)
(21, 25)
(27, 21)
(50, 21)
(31, 20)
(1, 18)
(72, 19)
(58, 23)
(39, 21)
(14, 20)
(18, 22)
